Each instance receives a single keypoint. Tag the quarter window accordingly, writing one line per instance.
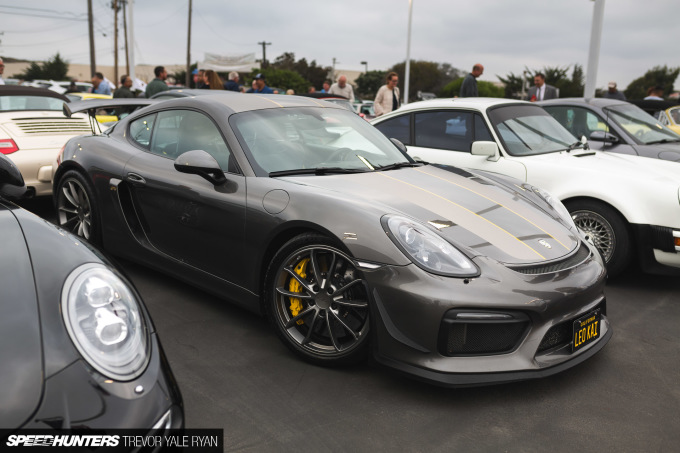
(140, 130)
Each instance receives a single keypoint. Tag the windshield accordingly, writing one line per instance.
(640, 125)
(526, 130)
(674, 113)
(11, 103)
(311, 138)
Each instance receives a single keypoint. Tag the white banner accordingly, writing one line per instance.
(227, 63)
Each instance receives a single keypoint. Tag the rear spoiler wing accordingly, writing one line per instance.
(92, 105)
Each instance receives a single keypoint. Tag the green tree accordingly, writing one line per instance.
(369, 83)
(427, 76)
(314, 74)
(485, 89)
(53, 69)
(283, 79)
(662, 76)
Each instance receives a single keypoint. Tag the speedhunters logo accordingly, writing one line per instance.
(62, 440)
(113, 440)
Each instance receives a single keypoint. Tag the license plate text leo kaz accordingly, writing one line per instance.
(586, 329)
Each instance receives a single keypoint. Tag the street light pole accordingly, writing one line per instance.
(407, 70)
(188, 71)
(365, 63)
(594, 52)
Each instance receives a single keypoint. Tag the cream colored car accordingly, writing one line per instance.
(33, 129)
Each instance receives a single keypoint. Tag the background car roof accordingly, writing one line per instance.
(18, 90)
(595, 102)
(475, 103)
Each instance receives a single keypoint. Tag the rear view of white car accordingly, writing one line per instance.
(33, 130)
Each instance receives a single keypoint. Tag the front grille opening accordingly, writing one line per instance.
(571, 261)
(501, 333)
(559, 335)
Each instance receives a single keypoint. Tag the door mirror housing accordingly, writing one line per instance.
(602, 136)
(199, 162)
(490, 149)
(11, 182)
(400, 146)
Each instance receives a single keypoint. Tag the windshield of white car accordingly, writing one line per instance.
(640, 125)
(24, 102)
(308, 138)
(527, 130)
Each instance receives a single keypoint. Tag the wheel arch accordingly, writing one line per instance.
(64, 167)
(597, 200)
(279, 237)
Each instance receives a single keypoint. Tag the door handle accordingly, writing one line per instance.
(135, 179)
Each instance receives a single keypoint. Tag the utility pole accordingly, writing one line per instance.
(407, 69)
(115, 42)
(365, 63)
(132, 42)
(188, 77)
(594, 52)
(93, 63)
(264, 53)
(127, 56)
(333, 70)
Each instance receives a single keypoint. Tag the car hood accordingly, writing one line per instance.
(604, 164)
(42, 129)
(666, 151)
(21, 355)
(466, 208)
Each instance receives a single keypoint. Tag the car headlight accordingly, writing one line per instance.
(105, 322)
(556, 205)
(428, 250)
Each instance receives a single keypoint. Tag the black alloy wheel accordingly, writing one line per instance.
(317, 301)
(76, 212)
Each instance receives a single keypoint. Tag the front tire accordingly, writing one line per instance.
(76, 209)
(608, 230)
(317, 301)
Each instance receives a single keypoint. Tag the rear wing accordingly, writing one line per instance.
(92, 105)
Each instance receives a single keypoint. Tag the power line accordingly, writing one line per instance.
(42, 44)
(42, 10)
(47, 17)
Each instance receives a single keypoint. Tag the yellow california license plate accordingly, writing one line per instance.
(586, 330)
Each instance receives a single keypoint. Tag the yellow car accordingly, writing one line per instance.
(670, 118)
(103, 116)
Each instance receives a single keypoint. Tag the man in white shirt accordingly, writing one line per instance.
(342, 88)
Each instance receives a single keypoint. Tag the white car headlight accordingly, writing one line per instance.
(556, 205)
(428, 250)
(105, 322)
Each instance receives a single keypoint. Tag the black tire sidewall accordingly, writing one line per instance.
(95, 229)
(355, 355)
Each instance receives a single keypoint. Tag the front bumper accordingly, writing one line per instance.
(410, 304)
(657, 249)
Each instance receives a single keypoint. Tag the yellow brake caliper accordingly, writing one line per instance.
(295, 287)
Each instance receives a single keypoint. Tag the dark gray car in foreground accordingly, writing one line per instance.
(301, 210)
(615, 126)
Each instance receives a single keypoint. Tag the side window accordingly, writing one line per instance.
(398, 128)
(452, 130)
(578, 121)
(140, 130)
(179, 131)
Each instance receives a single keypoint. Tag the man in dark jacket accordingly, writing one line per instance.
(158, 84)
(232, 83)
(469, 87)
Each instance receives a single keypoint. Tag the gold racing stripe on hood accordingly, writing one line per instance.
(273, 102)
(475, 215)
(495, 201)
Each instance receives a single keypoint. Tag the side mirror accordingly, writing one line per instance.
(489, 149)
(400, 146)
(11, 182)
(200, 163)
(602, 136)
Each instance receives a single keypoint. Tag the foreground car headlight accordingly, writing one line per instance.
(105, 322)
(556, 205)
(428, 250)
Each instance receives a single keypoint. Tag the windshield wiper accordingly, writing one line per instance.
(574, 145)
(315, 171)
(399, 165)
(663, 140)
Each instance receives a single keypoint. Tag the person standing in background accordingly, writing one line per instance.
(468, 88)
(541, 91)
(387, 98)
(158, 84)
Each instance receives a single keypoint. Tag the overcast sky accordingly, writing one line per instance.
(503, 35)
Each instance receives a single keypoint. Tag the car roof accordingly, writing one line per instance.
(20, 90)
(474, 103)
(242, 102)
(595, 102)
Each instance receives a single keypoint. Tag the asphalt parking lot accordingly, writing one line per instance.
(236, 375)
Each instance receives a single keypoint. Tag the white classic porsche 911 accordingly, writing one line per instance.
(33, 129)
(629, 205)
